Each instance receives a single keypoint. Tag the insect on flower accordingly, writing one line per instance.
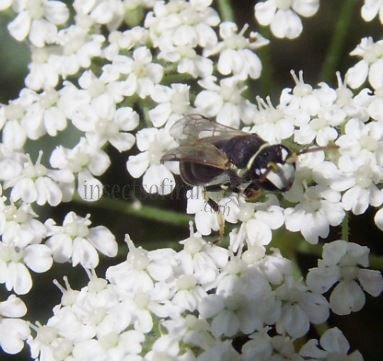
(218, 157)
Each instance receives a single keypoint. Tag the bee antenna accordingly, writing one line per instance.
(317, 149)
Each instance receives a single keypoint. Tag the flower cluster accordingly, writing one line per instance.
(116, 76)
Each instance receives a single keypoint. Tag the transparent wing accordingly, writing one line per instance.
(200, 153)
(194, 127)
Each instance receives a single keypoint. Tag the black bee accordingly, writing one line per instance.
(218, 157)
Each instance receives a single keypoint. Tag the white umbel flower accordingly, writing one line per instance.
(75, 241)
(13, 330)
(341, 264)
(333, 345)
(372, 8)
(369, 67)
(282, 15)
(236, 55)
(38, 20)
(152, 143)
(223, 101)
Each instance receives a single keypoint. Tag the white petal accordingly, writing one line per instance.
(160, 114)
(14, 135)
(12, 335)
(375, 76)
(48, 191)
(99, 163)
(316, 307)
(56, 12)
(357, 75)
(61, 247)
(334, 342)
(127, 118)
(18, 279)
(25, 190)
(89, 188)
(20, 26)
(371, 281)
(158, 179)
(264, 12)
(286, 24)
(347, 297)
(210, 306)
(42, 32)
(103, 240)
(137, 164)
(370, 9)
(295, 321)
(4, 4)
(306, 8)
(13, 307)
(378, 218)
(356, 199)
(38, 258)
(84, 253)
(320, 280)
(123, 141)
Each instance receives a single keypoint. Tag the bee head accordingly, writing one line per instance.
(274, 168)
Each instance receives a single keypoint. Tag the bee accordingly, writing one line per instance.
(218, 157)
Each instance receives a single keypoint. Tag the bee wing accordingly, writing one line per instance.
(203, 153)
(193, 127)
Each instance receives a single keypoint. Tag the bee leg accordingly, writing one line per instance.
(252, 193)
(221, 220)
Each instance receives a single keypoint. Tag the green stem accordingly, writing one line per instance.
(345, 231)
(337, 42)
(376, 262)
(226, 10)
(141, 211)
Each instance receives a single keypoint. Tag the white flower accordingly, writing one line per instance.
(191, 330)
(74, 241)
(85, 160)
(13, 331)
(103, 123)
(201, 259)
(341, 264)
(223, 101)
(359, 179)
(78, 48)
(303, 101)
(258, 221)
(317, 210)
(333, 345)
(282, 15)
(264, 347)
(105, 12)
(372, 8)
(173, 102)
(300, 307)
(271, 123)
(119, 41)
(141, 73)
(37, 184)
(236, 54)
(369, 67)
(188, 293)
(152, 143)
(19, 226)
(185, 23)
(142, 269)
(37, 19)
(15, 261)
(206, 218)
